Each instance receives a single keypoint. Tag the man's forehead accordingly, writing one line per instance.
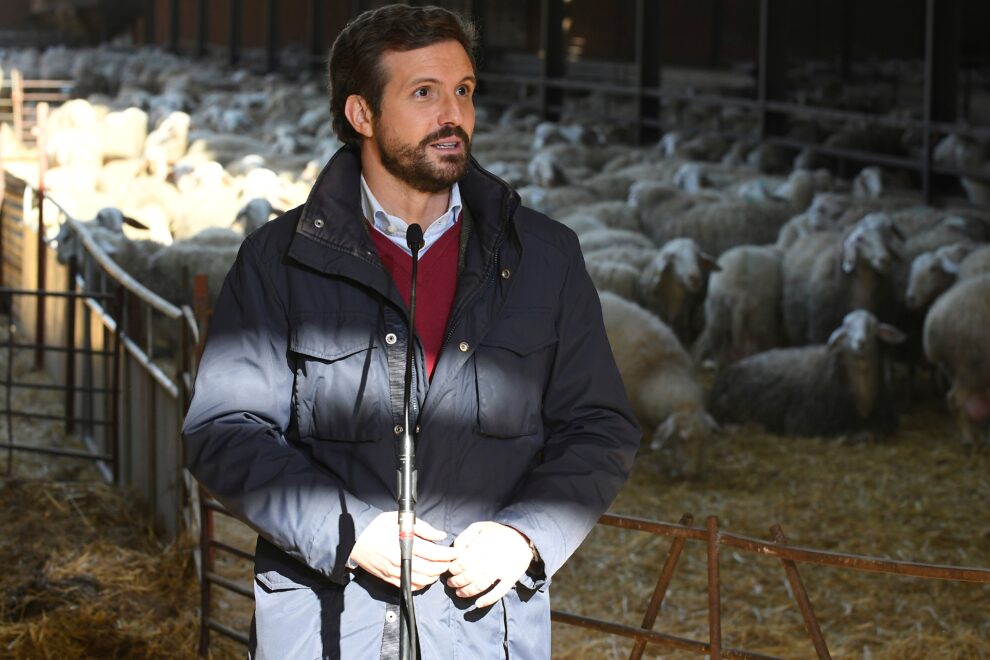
(442, 61)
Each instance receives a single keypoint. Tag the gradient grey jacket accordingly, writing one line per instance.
(293, 421)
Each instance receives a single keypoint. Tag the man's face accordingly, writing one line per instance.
(423, 130)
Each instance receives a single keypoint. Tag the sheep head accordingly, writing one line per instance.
(933, 273)
(858, 333)
(874, 239)
(681, 441)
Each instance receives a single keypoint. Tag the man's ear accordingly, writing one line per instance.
(358, 113)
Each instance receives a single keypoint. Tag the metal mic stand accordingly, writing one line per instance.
(408, 636)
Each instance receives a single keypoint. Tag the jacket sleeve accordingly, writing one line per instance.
(591, 433)
(234, 431)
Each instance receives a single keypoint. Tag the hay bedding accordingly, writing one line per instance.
(86, 577)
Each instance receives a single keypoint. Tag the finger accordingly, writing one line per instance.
(434, 552)
(494, 595)
(479, 586)
(432, 568)
(421, 580)
(466, 537)
(427, 531)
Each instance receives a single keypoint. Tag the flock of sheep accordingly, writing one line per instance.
(798, 287)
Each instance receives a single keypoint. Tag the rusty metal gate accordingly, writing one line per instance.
(711, 535)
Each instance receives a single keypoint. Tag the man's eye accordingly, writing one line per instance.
(422, 91)
(464, 90)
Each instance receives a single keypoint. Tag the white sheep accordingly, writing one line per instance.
(659, 380)
(826, 389)
(743, 305)
(956, 339)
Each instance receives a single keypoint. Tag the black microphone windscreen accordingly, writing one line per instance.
(414, 237)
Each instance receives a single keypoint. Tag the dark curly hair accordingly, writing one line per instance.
(356, 55)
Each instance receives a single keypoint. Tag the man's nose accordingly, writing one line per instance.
(450, 111)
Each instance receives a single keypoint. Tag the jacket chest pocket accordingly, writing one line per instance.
(512, 363)
(341, 385)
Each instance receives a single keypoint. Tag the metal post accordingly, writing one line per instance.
(660, 590)
(206, 567)
(648, 63)
(553, 52)
(202, 26)
(716, 33)
(714, 589)
(801, 596)
(942, 30)
(39, 351)
(846, 25)
(236, 26)
(114, 385)
(70, 344)
(772, 69)
(271, 37)
(173, 26)
(149, 22)
(316, 10)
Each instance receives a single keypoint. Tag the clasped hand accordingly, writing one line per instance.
(486, 558)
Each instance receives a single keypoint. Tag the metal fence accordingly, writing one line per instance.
(145, 389)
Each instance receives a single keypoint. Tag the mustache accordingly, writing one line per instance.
(446, 132)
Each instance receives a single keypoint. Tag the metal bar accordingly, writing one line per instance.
(648, 55)
(228, 632)
(801, 596)
(56, 294)
(652, 636)
(272, 40)
(174, 26)
(115, 385)
(60, 349)
(59, 388)
(149, 22)
(243, 554)
(714, 591)
(56, 418)
(70, 342)
(553, 48)
(39, 353)
(229, 585)
(52, 451)
(34, 97)
(9, 404)
(805, 555)
(206, 568)
(316, 11)
(202, 26)
(660, 590)
(236, 27)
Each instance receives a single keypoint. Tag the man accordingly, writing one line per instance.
(524, 432)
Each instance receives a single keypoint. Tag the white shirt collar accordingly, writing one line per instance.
(395, 227)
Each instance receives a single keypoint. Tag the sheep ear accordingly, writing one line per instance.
(949, 266)
(708, 262)
(890, 334)
(837, 336)
(663, 433)
(137, 224)
(848, 256)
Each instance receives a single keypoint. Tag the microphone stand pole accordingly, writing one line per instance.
(408, 636)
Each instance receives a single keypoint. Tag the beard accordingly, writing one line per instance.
(411, 163)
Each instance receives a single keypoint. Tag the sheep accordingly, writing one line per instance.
(658, 376)
(170, 268)
(743, 305)
(975, 264)
(104, 228)
(606, 238)
(254, 214)
(719, 226)
(672, 286)
(555, 201)
(933, 272)
(821, 390)
(618, 215)
(956, 340)
(827, 274)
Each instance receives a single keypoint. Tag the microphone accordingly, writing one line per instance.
(408, 635)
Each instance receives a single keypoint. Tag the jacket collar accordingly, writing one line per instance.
(332, 216)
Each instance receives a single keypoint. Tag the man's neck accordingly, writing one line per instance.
(399, 199)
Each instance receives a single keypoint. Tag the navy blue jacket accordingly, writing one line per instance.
(299, 394)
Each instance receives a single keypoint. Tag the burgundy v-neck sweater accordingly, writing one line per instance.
(436, 283)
